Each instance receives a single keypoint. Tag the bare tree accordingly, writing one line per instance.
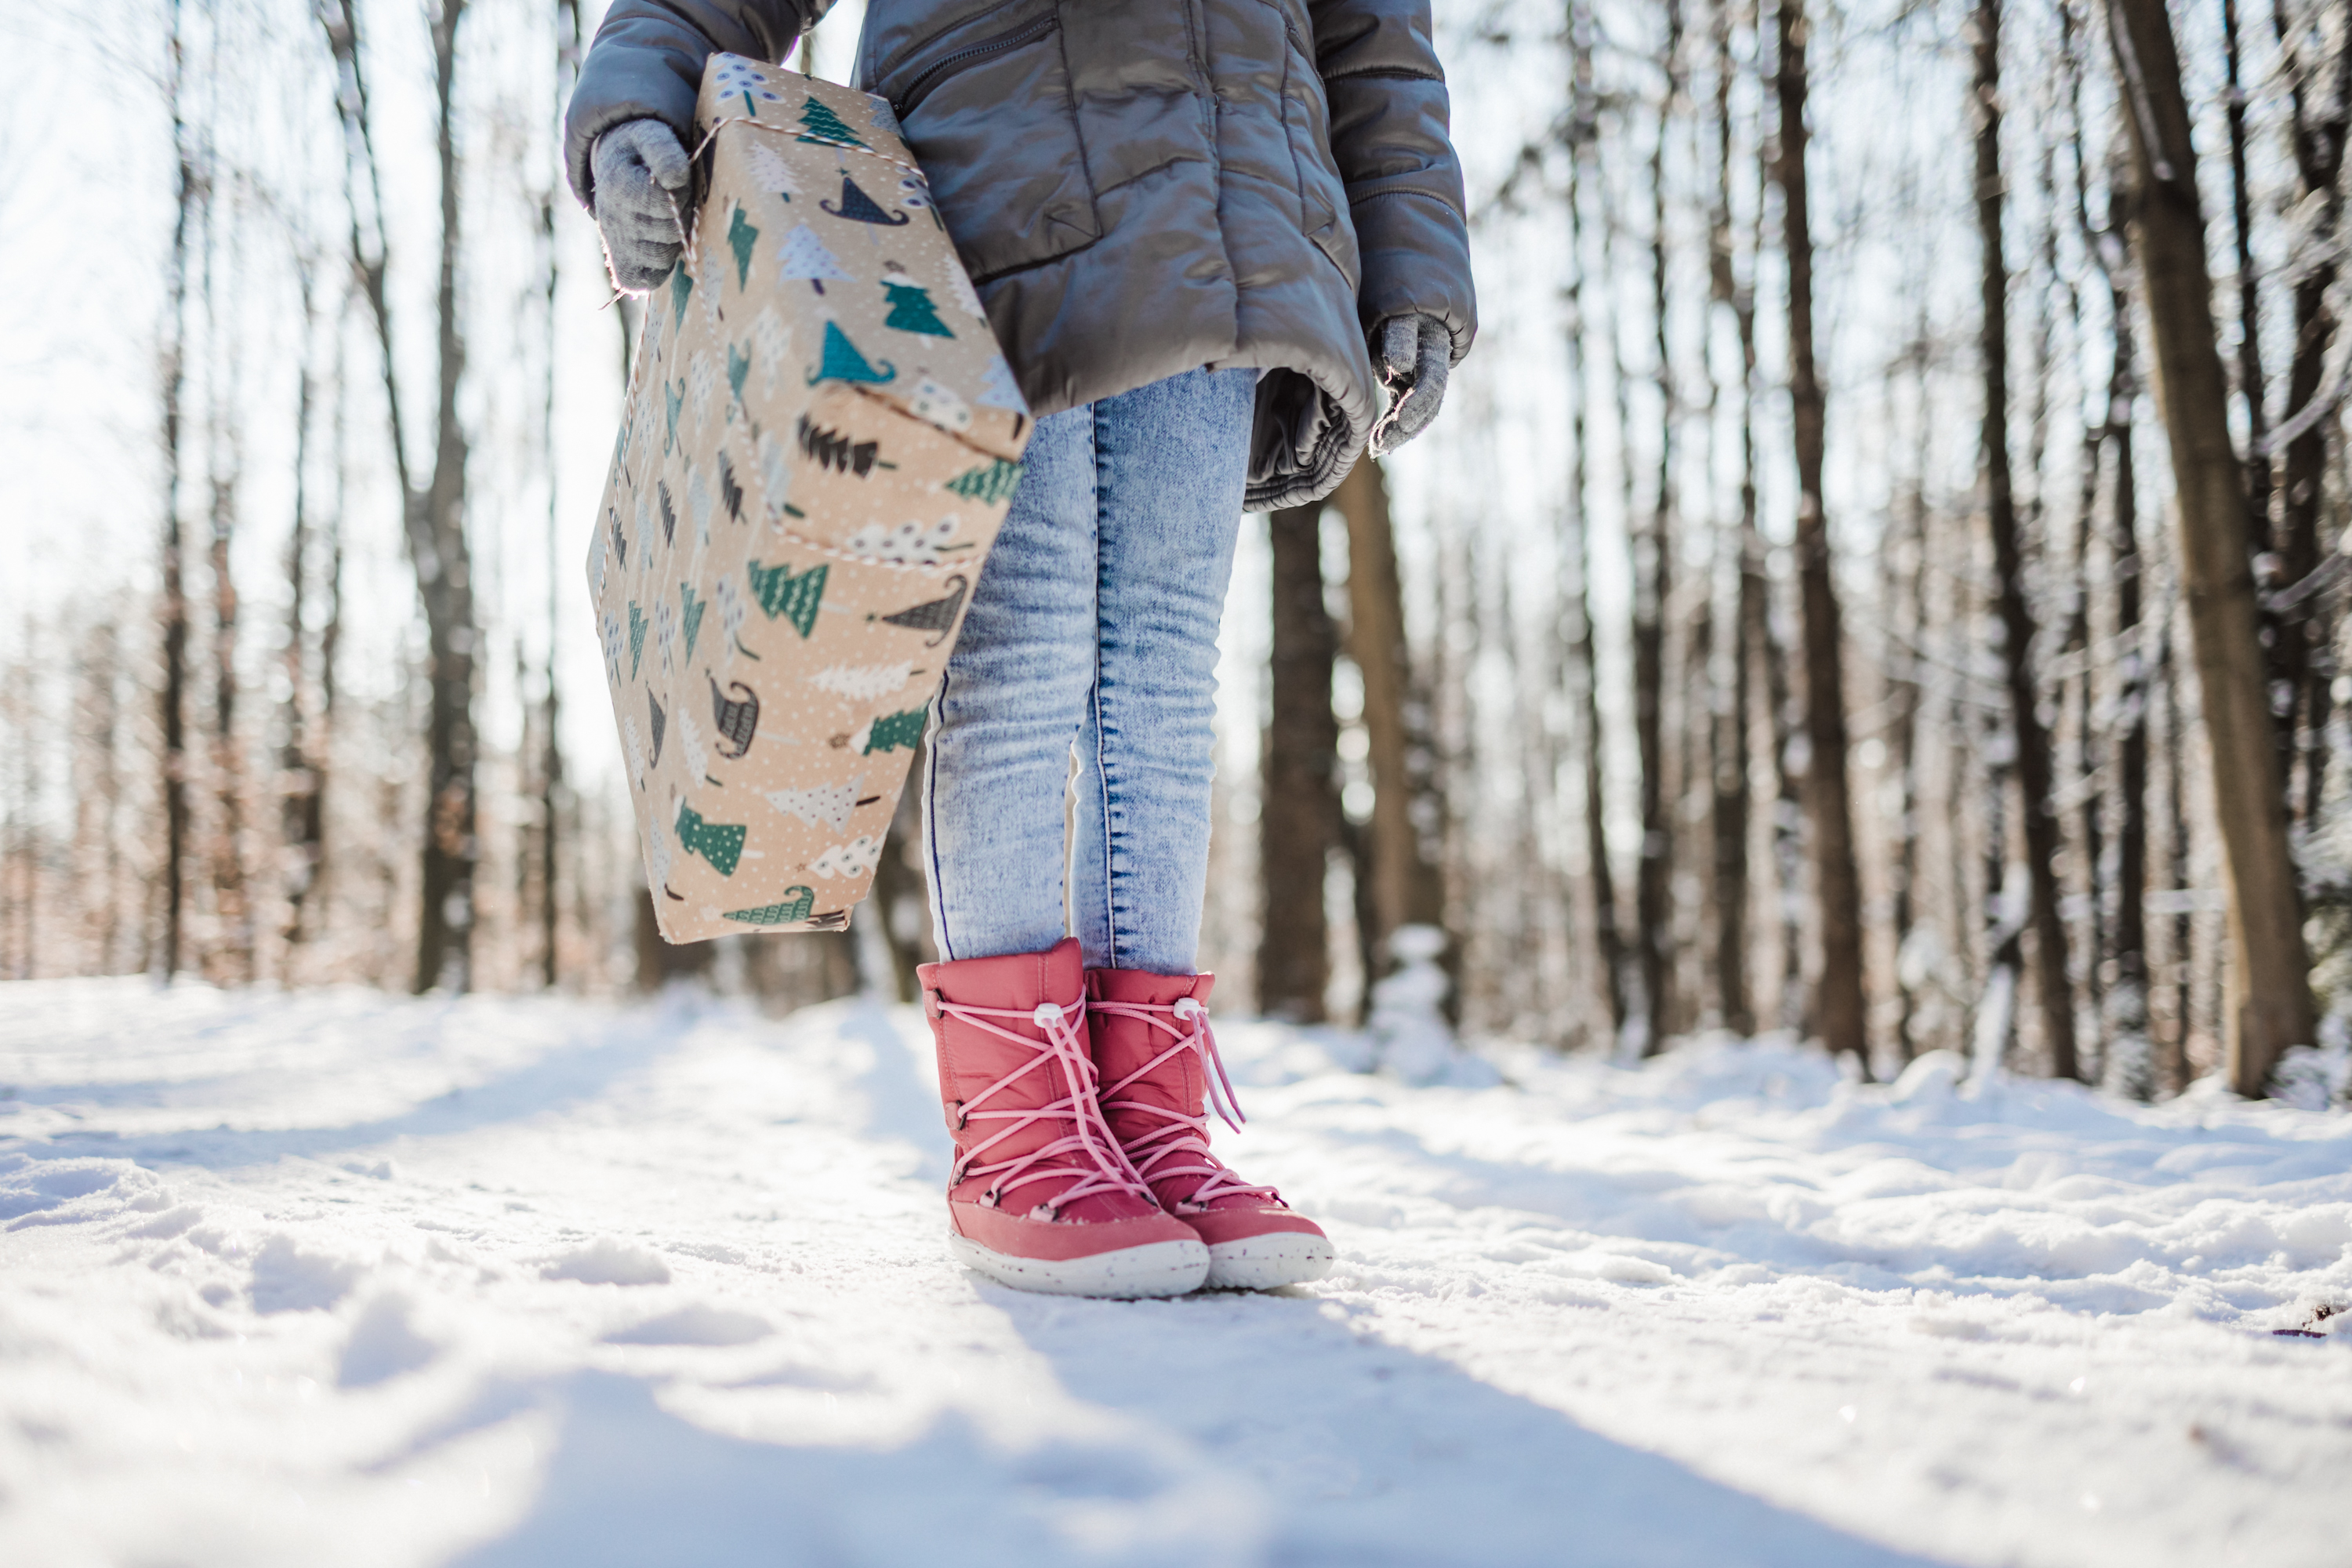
(434, 513)
(301, 822)
(2250, 334)
(1408, 888)
(172, 610)
(2029, 735)
(2270, 1005)
(1840, 1013)
(1653, 587)
(1575, 543)
(1298, 815)
(569, 33)
(2315, 43)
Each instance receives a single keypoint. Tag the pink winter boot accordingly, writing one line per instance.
(1040, 1197)
(1158, 1065)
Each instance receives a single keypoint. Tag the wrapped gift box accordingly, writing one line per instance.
(820, 441)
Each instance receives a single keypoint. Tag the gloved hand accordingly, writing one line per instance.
(1413, 354)
(641, 195)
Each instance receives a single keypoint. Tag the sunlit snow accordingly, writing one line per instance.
(333, 1278)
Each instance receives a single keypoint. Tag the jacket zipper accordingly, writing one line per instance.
(1028, 34)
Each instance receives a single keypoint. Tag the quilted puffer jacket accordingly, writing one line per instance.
(1141, 187)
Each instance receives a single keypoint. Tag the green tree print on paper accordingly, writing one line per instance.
(821, 124)
(991, 484)
(911, 309)
(891, 730)
(796, 905)
(740, 237)
(780, 593)
(721, 843)
(842, 360)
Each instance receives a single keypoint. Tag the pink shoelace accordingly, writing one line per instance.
(1160, 1153)
(1088, 1158)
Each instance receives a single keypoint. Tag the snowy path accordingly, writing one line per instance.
(340, 1279)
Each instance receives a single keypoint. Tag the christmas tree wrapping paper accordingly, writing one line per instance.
(820, 441)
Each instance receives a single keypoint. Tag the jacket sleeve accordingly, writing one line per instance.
(647, 64)
(1389, 113)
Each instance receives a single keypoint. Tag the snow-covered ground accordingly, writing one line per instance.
(340, 1278)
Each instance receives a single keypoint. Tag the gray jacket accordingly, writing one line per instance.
(1141, 187)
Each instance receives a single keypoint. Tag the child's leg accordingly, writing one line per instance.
(1170, 461)
(995, 778)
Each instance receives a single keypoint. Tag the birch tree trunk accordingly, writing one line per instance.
(1839, 1011)
(2268, 1005)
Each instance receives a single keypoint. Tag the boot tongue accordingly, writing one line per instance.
(1123, 1045)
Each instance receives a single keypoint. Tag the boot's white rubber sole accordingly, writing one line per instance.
(1157, 1268)
(1268, 1262)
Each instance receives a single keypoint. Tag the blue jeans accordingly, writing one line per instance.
(1093, 631)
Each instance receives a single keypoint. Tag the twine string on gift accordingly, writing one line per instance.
(685, 231)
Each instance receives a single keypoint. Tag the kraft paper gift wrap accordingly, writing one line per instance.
(820, 442)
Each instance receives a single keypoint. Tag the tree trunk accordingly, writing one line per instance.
(433, 514)
(1575, 551)
(2127, 1000)
(2175, 1058)
(1839, 1013)
(568, 35)
(1653, 587)
(172, 610)
(2031, 738)
(2301, 668)
(1906, 585)
(1407, 889)
(2250, 294)
(299, 821)
(443, 559)
(1731, 810)
(229, 953)
(2269, 1007)
(1771, 634)
(1298, 816)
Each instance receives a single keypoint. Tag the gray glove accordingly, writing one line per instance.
(641, 196)
(1413, 354)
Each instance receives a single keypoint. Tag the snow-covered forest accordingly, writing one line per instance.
(1790, 863)
(1568, 682)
